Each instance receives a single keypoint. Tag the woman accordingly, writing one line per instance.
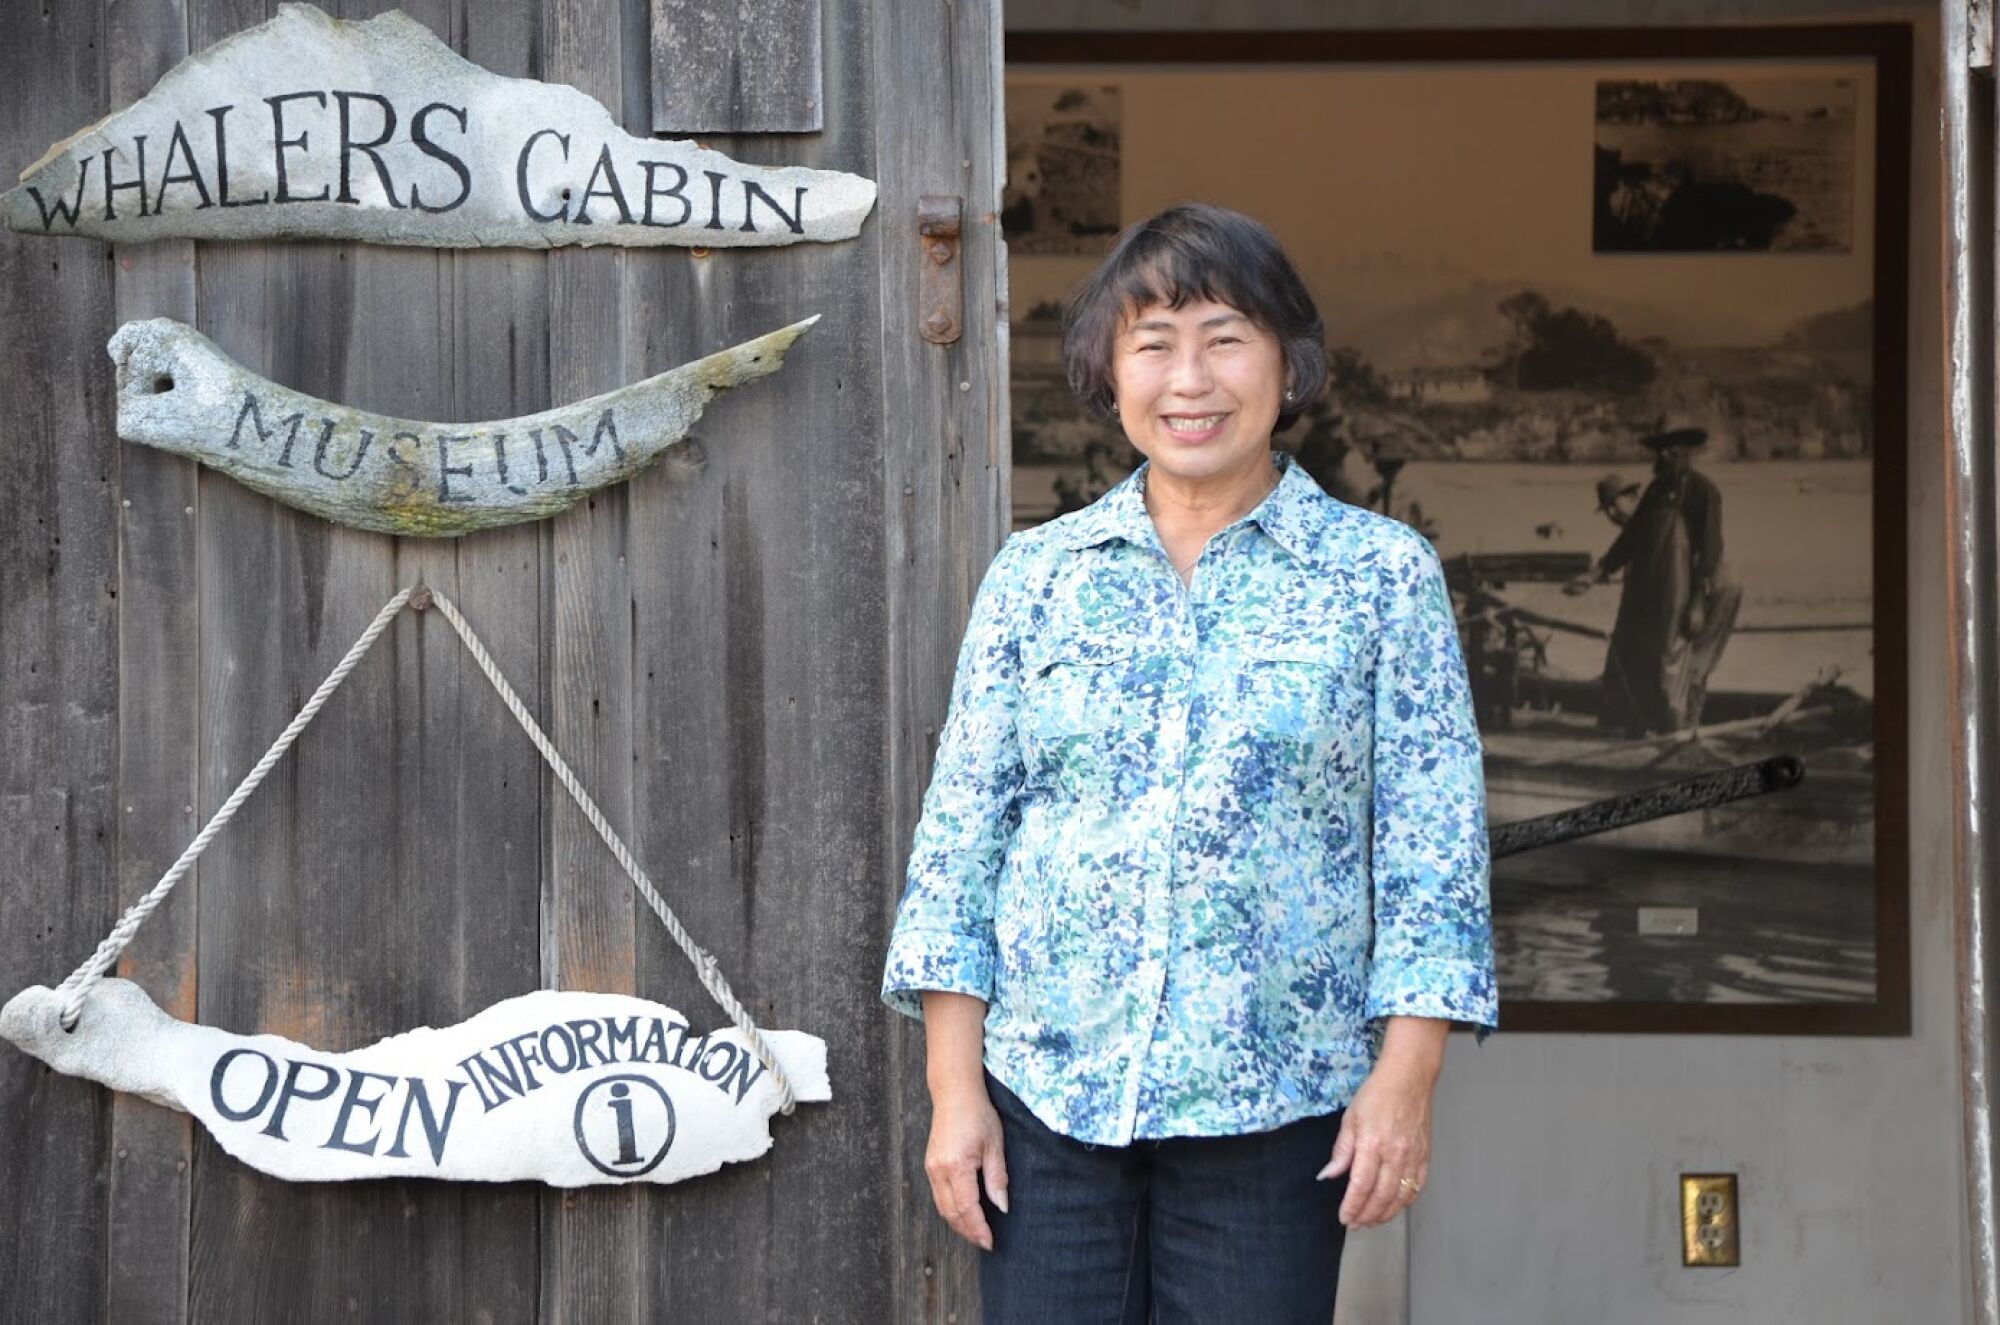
(1200, 881)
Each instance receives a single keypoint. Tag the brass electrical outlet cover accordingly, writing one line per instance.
(1709, 1220)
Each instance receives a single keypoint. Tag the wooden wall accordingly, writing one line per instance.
(745, 653)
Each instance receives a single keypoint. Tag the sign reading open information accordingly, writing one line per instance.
(569, 1089)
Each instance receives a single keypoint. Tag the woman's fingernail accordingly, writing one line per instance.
(1325, 1173)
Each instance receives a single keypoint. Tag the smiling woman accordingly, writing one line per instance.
(1193, 254)
(1202, 340)
(1201, 879)
(1197, 387)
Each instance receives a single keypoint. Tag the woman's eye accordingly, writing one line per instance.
(1151, 347)
(1227, 340)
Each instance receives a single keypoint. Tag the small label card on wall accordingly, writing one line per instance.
(308, 127)
(569, 1089)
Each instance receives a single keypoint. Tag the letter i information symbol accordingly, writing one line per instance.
(628, 1144)
(624, 1125)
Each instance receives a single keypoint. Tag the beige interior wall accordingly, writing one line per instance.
(1553, 1195)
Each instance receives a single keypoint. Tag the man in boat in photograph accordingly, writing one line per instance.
(1677, 606)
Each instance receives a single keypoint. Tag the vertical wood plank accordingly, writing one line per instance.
(757, 567)
(159, 647)
(58, 679)
(263, 569)
(446, 928)
(947, 495)
(296, 894)
(751, 67)
(484, 871)
(589, 1237)
(447, 934)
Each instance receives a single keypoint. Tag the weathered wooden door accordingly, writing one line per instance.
(745, 652)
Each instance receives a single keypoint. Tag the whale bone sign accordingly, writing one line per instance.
(307, 126)
(565, 1088)
(178, 392)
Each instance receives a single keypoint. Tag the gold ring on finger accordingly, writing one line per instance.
(1411, 1185)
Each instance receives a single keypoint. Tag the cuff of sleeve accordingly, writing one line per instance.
(1448, 988)
(943, 960)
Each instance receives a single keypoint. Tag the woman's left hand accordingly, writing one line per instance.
(1384, 1144)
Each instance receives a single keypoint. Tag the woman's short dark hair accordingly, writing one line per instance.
(1188, 252)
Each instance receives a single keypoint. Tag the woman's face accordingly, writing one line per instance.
(1198, 389)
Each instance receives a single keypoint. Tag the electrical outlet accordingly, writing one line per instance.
(1709, 1230)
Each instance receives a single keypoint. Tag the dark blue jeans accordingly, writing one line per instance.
(1186, 1231)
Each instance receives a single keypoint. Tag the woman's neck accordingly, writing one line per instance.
(1188, 514)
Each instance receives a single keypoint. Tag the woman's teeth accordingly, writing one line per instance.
(1202, 424)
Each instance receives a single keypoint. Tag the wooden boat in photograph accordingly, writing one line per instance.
(1546, 752)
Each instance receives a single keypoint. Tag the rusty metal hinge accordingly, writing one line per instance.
(939, 216)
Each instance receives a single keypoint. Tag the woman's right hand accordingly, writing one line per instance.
(964, 1147)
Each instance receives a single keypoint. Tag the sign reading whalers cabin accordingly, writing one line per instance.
(306, 126)
(570, 1089)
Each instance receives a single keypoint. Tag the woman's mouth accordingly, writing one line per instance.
(1194, 428)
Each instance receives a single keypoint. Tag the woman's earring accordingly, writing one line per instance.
(1114, 409)
(1289, 393)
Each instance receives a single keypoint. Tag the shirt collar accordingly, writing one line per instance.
(1286, 514)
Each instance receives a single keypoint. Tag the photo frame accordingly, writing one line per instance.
(1561, 269)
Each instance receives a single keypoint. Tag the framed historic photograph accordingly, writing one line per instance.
(1062, 168)
(1618, 320)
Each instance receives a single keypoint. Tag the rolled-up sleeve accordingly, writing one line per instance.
(1433, 942)
(943, 938)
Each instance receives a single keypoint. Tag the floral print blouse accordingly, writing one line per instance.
(1190, 843)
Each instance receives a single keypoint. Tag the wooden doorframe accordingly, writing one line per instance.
(1972, 567)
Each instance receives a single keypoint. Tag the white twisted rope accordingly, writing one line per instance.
(704, 962)
(81, 980)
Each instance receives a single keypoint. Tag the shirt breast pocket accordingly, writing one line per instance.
(1075, 683)
(1075, 701)
(1299, 697)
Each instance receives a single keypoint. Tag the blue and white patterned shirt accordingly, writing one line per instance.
(1188, 843)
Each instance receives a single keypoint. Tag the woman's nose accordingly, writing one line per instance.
(1191, 375)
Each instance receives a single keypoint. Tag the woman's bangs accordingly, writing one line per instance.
(1172, 277)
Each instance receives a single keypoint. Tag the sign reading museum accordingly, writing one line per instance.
(306, 126)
